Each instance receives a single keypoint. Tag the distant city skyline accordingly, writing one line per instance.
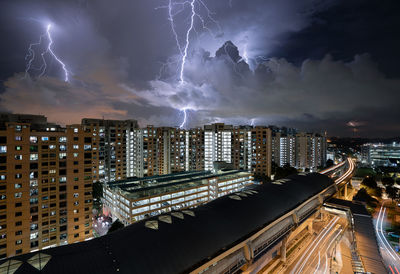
(313, 65)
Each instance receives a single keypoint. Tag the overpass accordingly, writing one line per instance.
(241, 231)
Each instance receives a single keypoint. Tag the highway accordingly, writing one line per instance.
(316, 257)
(348, 172)
(389, 255)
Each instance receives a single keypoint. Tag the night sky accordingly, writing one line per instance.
(313, 65)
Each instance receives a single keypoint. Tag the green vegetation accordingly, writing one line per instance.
(364, 172)
(117, 225)
(363, 196)
(283, 172)
(388, 181)
(329, 163)
(97, 195)
(392, 192)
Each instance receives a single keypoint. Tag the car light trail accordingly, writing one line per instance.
(307, 253)
(384, 242)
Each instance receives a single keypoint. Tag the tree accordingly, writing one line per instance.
(97, 195)
(388, 181)
(117, 225)
(329, 163)
(363, 196)
(283, 172)
(392, 192)
(369, 182)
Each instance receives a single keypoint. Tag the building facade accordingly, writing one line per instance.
(381, 154)
(46, 176)
(112, 147)
(136, 199)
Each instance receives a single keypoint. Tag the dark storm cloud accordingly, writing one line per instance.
(114, 52)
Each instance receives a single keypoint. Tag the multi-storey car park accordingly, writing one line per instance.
(135, 199)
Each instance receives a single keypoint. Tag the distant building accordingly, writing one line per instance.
(132, 200)
(112, 147)
(381, 154)
(301, 150)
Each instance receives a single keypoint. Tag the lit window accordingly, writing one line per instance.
(75, 130)
(45, 138)
(34, 157)
(3, 149)
(18, 195)
(76, 146)
(62, 139)
(33, 139)
(18, 157)
(18, 138)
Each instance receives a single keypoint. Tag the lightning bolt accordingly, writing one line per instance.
(31, 55)
(185, 50)
(184, 118)
(196, 7)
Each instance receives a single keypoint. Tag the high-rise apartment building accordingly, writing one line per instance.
(46, 176)
(310, 150)
(217, 144)
(261, 144)
(112, 146)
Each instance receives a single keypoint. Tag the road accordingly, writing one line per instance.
(315, 258)
(389, 255)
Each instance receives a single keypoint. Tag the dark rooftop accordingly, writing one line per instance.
(186, 243)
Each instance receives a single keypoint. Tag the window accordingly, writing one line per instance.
(63, 155)
(18, 148)
(87, 147)
(34, 235)
(18, 204)
(18, 157)
(62, 139)
(34, 157)
(75, 130)
(76, 146)
(63, 147)
(45, 138)
(3, 149)
(18, 242)
(52, 146)
(18, 186)
(19, 223)
(18, 214)
(33, 139)
(18, 166)
(75, 155)
(76, 195)
(18, 195)
(18, 138)
(18, 176)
